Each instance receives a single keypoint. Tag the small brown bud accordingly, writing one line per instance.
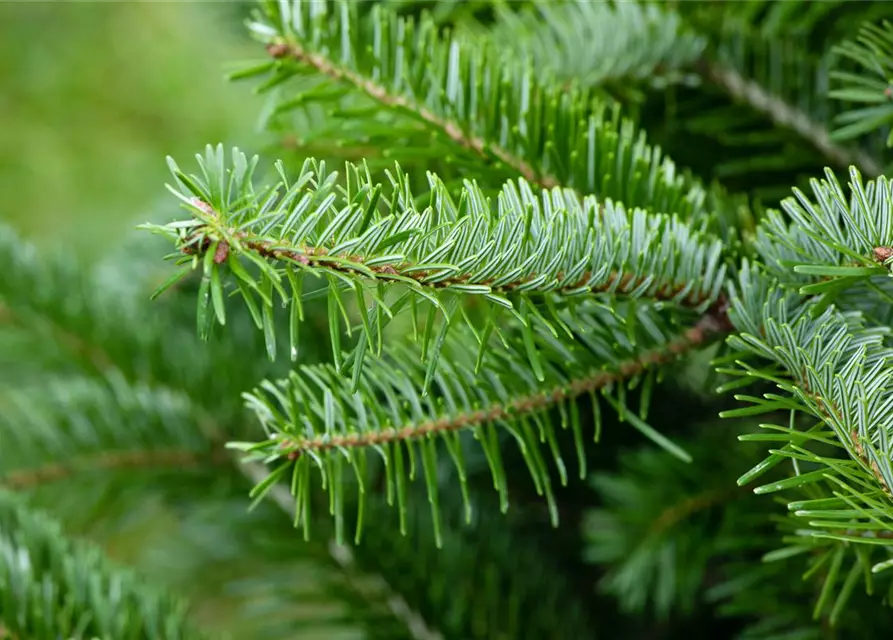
(277, 49)
(204, 206)
(222, 252)
(882, 254)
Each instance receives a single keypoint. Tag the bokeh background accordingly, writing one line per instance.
(94, 95)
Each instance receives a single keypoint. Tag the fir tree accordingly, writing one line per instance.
(467, 331)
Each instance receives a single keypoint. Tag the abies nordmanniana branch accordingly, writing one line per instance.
(56, 588)
(619, 47)
(528, 256)
(571, 281)
(830, 363)
(316, 423)
(496, 117)
(539, 265)
(531, 344)
(872, 51)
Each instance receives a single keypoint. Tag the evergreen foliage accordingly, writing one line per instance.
(509, 275)
(53, 587)
(873, 51)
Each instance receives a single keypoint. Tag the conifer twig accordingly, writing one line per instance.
(676, 513)
(711, 325)
(784, 115)
(375, 91)
(826, 408)
(94, 353)
(110, 460)
(320, 256)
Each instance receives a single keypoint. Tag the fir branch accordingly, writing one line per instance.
(529, 249)
(872, 50)
(478, 97)
(315, 421)
(201, 239)
(109, 461)
(709, 327)
(43, 594)
(451, 129)
(788, 116)
(831, 365)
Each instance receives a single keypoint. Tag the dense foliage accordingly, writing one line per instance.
(475, 257)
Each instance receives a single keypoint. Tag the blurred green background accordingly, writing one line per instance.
(96, 94)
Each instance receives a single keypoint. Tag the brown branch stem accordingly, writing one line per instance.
(827, 408)
(617, 282)
(93, 353)
(452, 130)
(711, 325)
(784, 115)
(676, 513)
(111, 460)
